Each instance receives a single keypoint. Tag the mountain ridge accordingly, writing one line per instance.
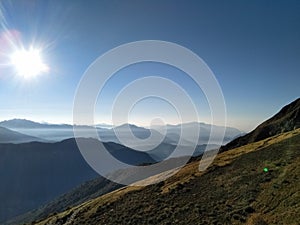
(14, 137)
(287, 119)
(59, 132)
(24, 123)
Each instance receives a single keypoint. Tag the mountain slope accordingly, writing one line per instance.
(85, 192)
(9, 136)
(234, 190)
(287, 119)
(35, 173)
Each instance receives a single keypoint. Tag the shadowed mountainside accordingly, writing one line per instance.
(35, 173)
(84, 192)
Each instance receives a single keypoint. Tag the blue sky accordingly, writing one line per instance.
(253, 48)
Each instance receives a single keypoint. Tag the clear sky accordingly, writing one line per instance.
(253, 48)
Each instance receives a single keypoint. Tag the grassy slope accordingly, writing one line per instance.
(234, 190)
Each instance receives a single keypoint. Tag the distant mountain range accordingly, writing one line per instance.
(44, 131)
(24, 123)
(28, 124)
(59, 132)
(205, 129)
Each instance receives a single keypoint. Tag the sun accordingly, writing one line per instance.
(28, 63)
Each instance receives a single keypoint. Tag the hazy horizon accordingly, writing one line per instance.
(109, 124)
(146, 125)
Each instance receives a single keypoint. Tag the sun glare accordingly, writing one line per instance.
(28, 63)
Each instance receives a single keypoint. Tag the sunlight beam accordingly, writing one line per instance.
(28, 63)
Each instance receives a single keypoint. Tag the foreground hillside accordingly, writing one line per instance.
(234, 190)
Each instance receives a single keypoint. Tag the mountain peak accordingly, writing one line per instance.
(131, 126)
(13, 123)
